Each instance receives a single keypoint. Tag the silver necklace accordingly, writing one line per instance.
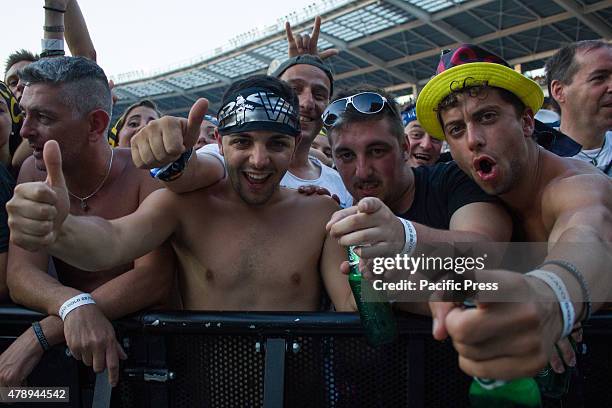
(593, 159)
(83, 200)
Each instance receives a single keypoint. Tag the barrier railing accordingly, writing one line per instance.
(196, 359)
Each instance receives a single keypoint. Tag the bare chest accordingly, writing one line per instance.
(231, 252)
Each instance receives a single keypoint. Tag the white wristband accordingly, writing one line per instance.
(567, 308)
(410, 237)
(52, 44)
(74, 302)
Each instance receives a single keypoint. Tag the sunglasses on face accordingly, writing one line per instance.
(368, 103)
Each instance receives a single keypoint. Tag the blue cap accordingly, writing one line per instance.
(212, 120)
(409, 115)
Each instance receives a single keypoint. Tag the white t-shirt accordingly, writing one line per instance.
(603, 157)
(329, 178)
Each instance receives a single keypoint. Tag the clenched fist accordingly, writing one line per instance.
(163, 140)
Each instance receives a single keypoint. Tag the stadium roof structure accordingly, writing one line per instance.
(393, 44)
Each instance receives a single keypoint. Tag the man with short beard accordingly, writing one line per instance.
(440, 202)
(485, 111)
(67, 102)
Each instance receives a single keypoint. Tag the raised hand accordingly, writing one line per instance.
(307, 44)
(162, 141)
(38, 209)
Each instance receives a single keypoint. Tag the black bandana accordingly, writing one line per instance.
(258, 109)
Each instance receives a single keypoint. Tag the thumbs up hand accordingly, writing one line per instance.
(163, 141)
(38, 209)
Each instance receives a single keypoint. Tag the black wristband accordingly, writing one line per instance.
(586, 294)
(52, 53)
(54, 29)
(54, 9)
(41, 336)
(173, 170)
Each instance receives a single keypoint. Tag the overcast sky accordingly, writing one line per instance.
(133, 35)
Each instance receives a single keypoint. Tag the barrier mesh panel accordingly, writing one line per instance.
(345, 372)
(320, 371)
(445, 384)
(596, 368)
(216, 371)
(336, 372)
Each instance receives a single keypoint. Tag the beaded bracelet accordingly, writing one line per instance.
(588, 307)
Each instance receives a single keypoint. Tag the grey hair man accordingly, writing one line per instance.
(80, 86)
(579, 79)
(67, 100)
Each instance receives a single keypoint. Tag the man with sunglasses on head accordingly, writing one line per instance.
(435, 204)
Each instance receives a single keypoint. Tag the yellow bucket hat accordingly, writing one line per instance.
(466, 66)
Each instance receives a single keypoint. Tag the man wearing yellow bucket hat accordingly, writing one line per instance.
(485, 111)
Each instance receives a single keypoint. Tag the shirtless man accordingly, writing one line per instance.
(488, 122)
(67, 100)
(235, 240)
(312, 81)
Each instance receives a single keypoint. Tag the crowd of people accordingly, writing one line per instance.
(291, 168)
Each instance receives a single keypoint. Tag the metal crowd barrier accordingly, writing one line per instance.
(196, 359)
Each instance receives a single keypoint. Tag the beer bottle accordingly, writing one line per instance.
(519, 393)
(376, 315)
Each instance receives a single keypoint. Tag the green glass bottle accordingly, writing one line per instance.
(519, 393)
(376, 315)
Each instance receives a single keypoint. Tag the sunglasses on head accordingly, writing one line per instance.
(368, 103)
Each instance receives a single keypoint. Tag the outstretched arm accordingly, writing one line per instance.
(581, 233)
(578, 213)
(38, 217)
(93, 243)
